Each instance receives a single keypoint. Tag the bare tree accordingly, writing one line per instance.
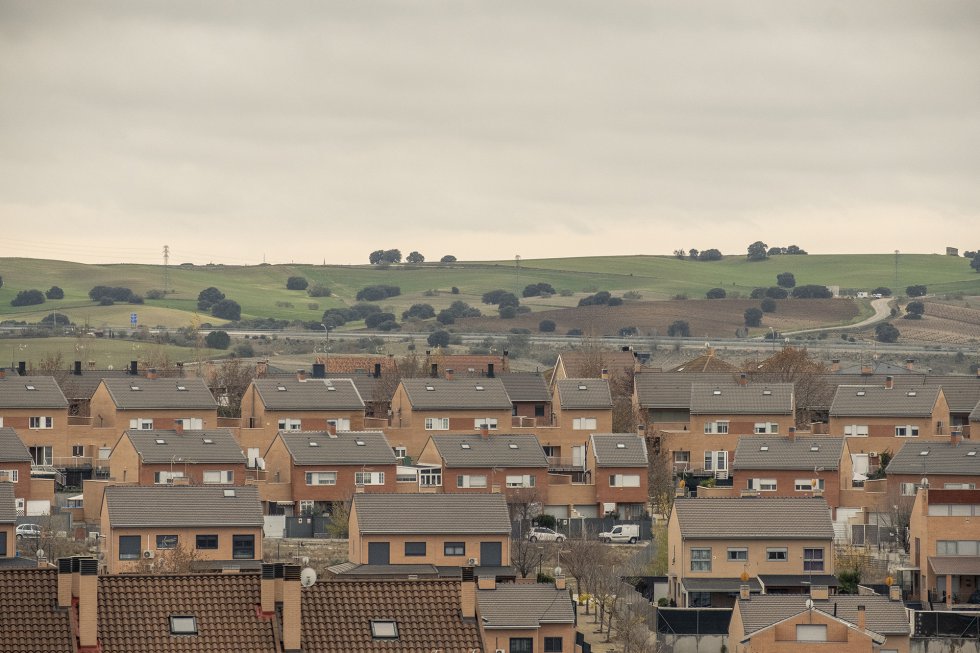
(228, 383)
(524, 504)
(339, 526)
(178, 560)
(578, 557)
(660, 480)
(794, 365)
(895, 509)
(525, 555)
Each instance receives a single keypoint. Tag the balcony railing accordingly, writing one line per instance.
(565, 462)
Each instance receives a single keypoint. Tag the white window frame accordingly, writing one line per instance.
(191, 423)
(339, 423)
(719, 427)
(290, 424)
(141, 423)
(766, 428)
(225, 477)
(321, 477)
(400, 451)
(11, 475)
(516, 480)
(856, 430)
(436, 423)
(741, 554)
(806, 484)
(700, 559)
(369, 478)
(490, 423)
(907, 431)
(712, 459)
(811, 632)
(307, 506)
(430, 477)
(80, 448)
(166, 478)
(909, 489)
(40, 422)
(762, 484)
(471, 481)
(776, 550)
(585, 424)
(624, 480)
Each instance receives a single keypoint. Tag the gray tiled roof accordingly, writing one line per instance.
(584, 393)
(339, 449)
(942, 458)
(667, 390)
(367, 384)
(619, 450)
(8, 505)
(211, 446)
(30, 392)
(84, 385)
(877, 401)
(734, 399)
(161, 393)
(754, 518)
(183, 506)
(311, 394)
(448, 514)
(462, 394)
(804, 453)
(497, 450)
(12, 449)
(524, 606)
(882, 615)
(525, 387)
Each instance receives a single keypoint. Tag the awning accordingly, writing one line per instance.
(77, 497)
(955, 565)
(720, 584)
(798, 580)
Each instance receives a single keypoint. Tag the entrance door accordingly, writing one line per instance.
(378, 553)
(490, 554)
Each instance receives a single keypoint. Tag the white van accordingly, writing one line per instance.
(622, 533)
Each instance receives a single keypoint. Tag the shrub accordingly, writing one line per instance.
(520, 331)
(632, 295)
(812, 291)
(716, 293)
(317, 290)
(753, 317)
(546, 326)
(915, 291)
(883, 291)
(114, 293)
(615, 301)
(628, 331)
(244, 350)
(565, 292)
(757, 293)
(538, 289)
(205, 299)
(448, 258)
(601, 298)
(28, 298)
(914, 310)
(297, 283)
(679, 328)
(886, 332)
(374, 319)
(54, 292)
(438, 339)
(56, 319)
(377, 293)
(775, 292)
(106, 301)
(227, 309)
(768, 305)
(217, 340)
(574, 332)
(361, 311)
(155, 294)
(523, 310)
(454, 290)
(419, 312)
(508, 312)
(388, 325)
(500, 298)
(785, 280)
(445, 316)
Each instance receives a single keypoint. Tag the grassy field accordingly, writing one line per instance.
(261, 289)
(104, 352)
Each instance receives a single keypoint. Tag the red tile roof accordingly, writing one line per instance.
(357, 364)
(29, 616)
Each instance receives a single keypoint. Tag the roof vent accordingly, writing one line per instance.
(860, 393)
(767, 392)
(464, 445)
(330, 388)
(716, 392)
(620, 445)
(971, 453)
(182, 388)
(161, 441)
(229, 493)
(512, 445)
(479, 387)
(924, 453)
(208, 441)
(815, 448)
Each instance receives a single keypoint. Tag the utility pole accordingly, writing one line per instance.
(896, 270)
(166, 269)
(517, 261)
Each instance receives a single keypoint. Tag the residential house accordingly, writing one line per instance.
(431, 529)
(474, 463)
(37, 409)
(950, 465)
(153, 402)
(162, 457)
(16, 463)
(298, 403)
(319, 468)
(770, 544)
(790, 466)
(944, 537)
(663, 399)
(582, 407)
(885, 414)
(8, 520)
(820, 622)
(619, 463)
(530, 398)
(592, 363)
(219, 526)
(466, 364)
(422, 407)
(525, 617)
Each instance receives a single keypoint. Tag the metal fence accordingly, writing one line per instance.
(947, 624)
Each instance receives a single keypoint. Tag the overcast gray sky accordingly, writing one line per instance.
(304, 131)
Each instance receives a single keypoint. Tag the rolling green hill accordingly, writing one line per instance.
(261, 290)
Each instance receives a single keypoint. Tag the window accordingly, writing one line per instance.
(369, 478)
(682, 458)
(538, 410)
(414, 549)
(41, 455)
(715, 461)
(700, 559)
(206, 542)
(339, 424)
(306, 506)
(738, 555)
(41, 423)
(166, 541)
(129, 547)
(407, 477)
(520, 481)
(624, 480)
(763, 428)
(163, 478)
(909, 489)
(10, 475)
(431, 477)
(812, 559)
(907, 431)
(243, 547)
(584, 424)
(521, 645)
(471, 480)
(762, 484)
(699, 599)
(777, 554)
(287, 424)
(857, 430)
(811, 632)
(384, 629)
(454, 549)
(219, 477)
(958, 486)
(720, 427)
(141, 424)
(183, 625)
(957, 547)
(552, 644)
(77, 450)
(400, 451)
(436, 423)
(485, 423)
(806, 484)
(321, 478)
(191, 423)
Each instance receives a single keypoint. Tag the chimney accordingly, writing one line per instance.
(894, 592)
(486, 583)
(862, 620)
(743, 379)
(604, 374)
(485, 431)
(744, 592)
(261, 369)
(791, 435)
(866, 370)
(560, 582)
(268, 588)
(291, 596)
(179, 426)
(22, 368)
(151, 373)
(910, 364)
(133, 368)
(301, 375)
(889, 382)
(955, 437)
(88, 593)
(819, 592)
(449, 374)
(277, 572)
(835, 365)
(434, 371)
(180, 369)
(3, 373)
(78, 368)
(64, 582)
(489, 370)
(377, 370)
(319, 371)
(467, 594)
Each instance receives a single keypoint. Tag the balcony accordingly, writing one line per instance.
(565, 463)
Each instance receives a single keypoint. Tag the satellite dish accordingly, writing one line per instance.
(40, 553)
(307, 577)
(305, 560)
(809, 604)
(557, 572)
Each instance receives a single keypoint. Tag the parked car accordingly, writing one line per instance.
(544, 535)
(30, 531)
(621, 534)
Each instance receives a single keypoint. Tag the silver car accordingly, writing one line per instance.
(540, 533)
(29, 531)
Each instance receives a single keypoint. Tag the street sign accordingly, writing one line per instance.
(132, 319)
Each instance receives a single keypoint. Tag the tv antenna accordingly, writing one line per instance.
(166, 269)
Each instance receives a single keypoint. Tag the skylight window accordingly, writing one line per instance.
(314, 443)
(583, 387)
(479, 388)
(30, 387)
(767, 392)
(911, 393)
(716, 392)
(330, 388)
(183, 625)
(229, 493)
(208, 441)
(971, 453)
(182, 388)
(620, 445)
(512, 445)
(161, 441)
(860, 393)
(814, 448)
(359, 443)
(384, 629)
(134, 388)
(429, 388)
(281, 388)
(464, 445)
(924, 453)
(764, 448)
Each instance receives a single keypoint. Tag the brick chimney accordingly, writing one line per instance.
(74, 575)
(909, 364)
(179, 426)
(291, 617)
(490, 372)
(791, 434)
(64, 582)
(743, 379)
(278, 572)
(3, 373)
(450, 374)
(151, 373)
(862, 618)
(485, 432)
(467, 594)
(88, 596)
(889, 382)
(560, 581)
(486, 583)
(835, 365)
(261, 369)
(301, 375)
(745, 592)
(894, 592)
(819, 592)
(866, 370)
(604, 374)
(268, 588)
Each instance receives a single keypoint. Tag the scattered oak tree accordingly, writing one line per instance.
(785, 280)
(297, 283)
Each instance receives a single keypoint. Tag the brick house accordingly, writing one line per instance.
(663, 399)
(950, 465)
(162, 457)
(619, 464)
(153, 402)
(519, 617)
(887, 415)
(530, 398)
(944, 537)
(775, 544)
(221, 526)
(8, 521)
(37, 409)
(15, 468)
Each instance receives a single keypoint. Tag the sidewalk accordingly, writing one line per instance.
(588, 628)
